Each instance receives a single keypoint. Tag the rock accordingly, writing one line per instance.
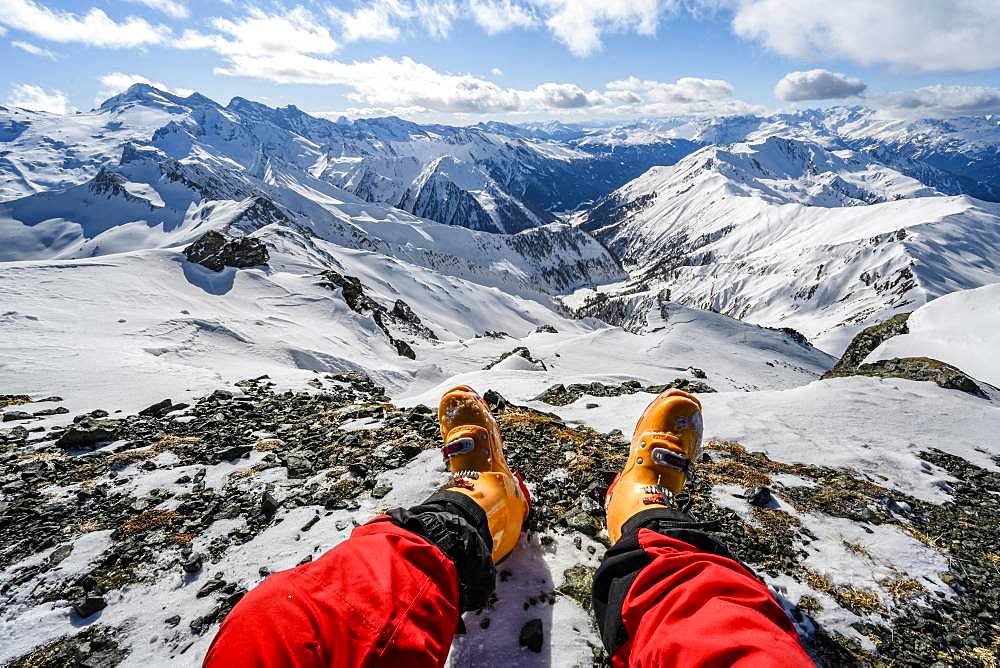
(222, 395)
(379, 491)
(89, 431)
(231, 453)
(532, 636)
(88, 605)
(299, 464)
(578, 584)
(694, 386)
(213, 585)
(193, 563)
(921, 369)
(546, 329)
(796, 336)
(311, 523)
(495, 401)
(13, 416)
(59, 554)
(520, 351)
(403, 349)
(45, 412)
(696, 372)
(172, 621)
(269, 505)
(214, 251)
(759, 497)
(591, 405)
(865, 342)
(158, 409)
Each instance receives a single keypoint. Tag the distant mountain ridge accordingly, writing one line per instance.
(784, 232)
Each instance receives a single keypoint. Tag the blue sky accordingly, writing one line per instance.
(464, 61)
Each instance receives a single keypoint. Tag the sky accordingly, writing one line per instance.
(466, 61)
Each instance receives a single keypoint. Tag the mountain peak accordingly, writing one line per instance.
(146, 95)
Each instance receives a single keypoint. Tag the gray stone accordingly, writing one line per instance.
(214, 251)
(532, 636)
(88, 605)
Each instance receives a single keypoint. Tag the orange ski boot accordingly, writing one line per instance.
(473, 452)
(665, 446)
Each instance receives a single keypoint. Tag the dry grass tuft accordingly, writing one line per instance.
(182, 539)
(734, 473)
(859, 549)
(903, 588)
(269, 445)
(819, 582)
(810, 604)
(731, 448)
(171, 439)
(148, 520)
(860, 601)
(14, 400)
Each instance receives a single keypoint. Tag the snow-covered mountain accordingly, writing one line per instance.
(956, 156)
(783, 231)
(390, 261)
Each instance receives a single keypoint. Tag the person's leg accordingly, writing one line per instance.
(390, 595)
(667, 593)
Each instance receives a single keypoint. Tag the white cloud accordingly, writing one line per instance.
(437, 16)
(579, 24)
(293, 48)
(496, 16)
(497, 72)
(375, 21)
(117, 82)
(930, 36)
(28, 47)
(36, 98)
(686, 96)
(296, 31)
(941, 101)
(172, 8)
(564, 96)
(95, 28)
(817, 85)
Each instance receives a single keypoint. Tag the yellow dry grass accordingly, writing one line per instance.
(148, 520)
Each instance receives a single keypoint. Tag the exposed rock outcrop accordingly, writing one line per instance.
(925, 369)
(865, 342)
(216, 252)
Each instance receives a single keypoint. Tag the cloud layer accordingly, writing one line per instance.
(817, 85)
(95, 28)
(36, 98)
(942, 101)
(932, 36)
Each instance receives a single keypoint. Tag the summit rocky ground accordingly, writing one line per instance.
(160, 503)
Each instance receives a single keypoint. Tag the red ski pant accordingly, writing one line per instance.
(388, 597)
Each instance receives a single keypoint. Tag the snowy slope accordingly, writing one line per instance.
(783, 232)
(41, 151)
(164, 335)
(961, 328)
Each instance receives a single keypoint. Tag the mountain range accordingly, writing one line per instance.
(224, 330)
(823, 220)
